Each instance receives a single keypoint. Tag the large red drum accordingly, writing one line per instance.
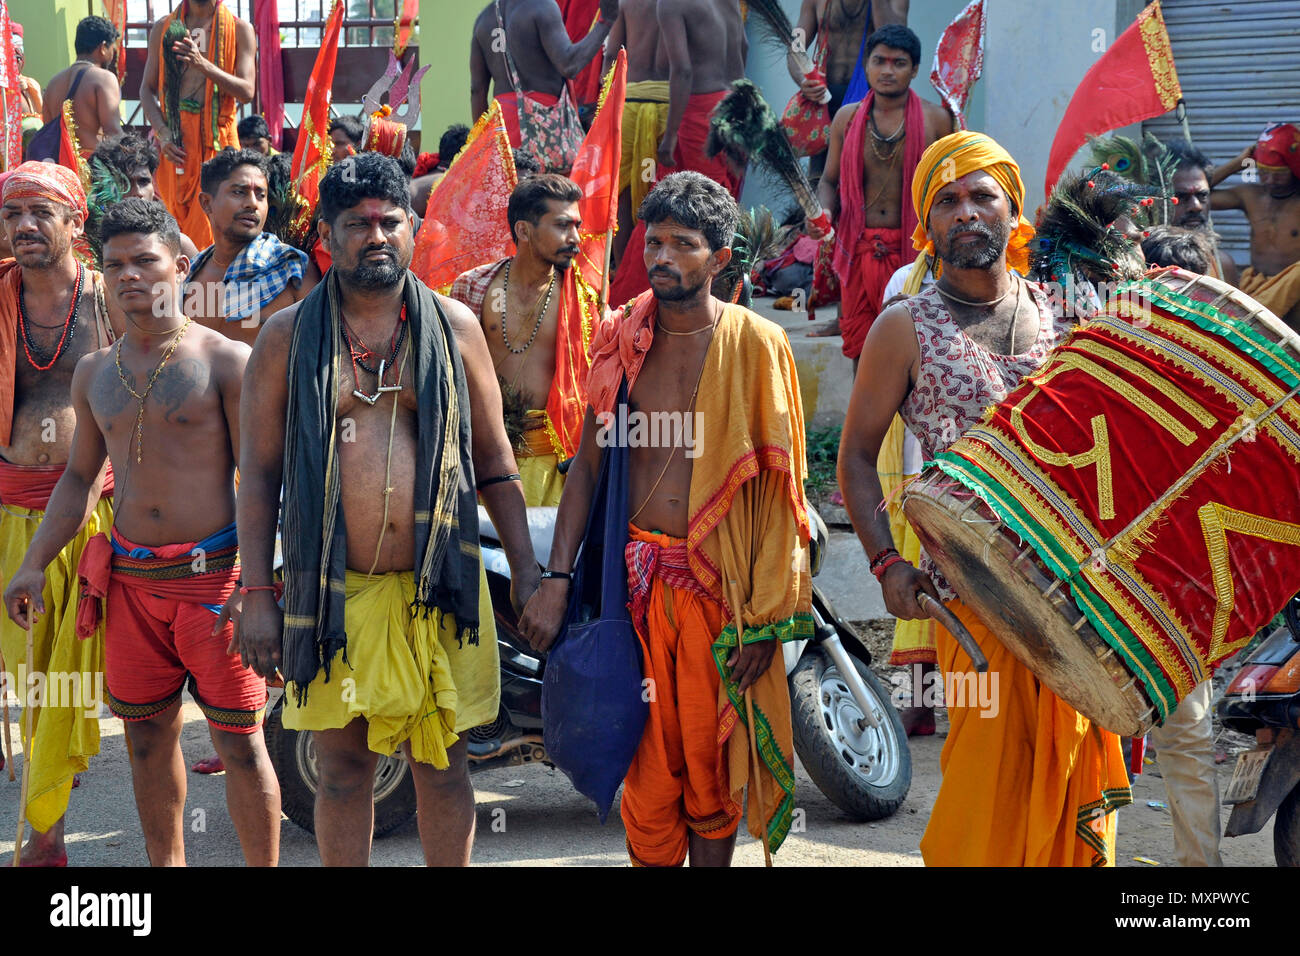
(1130, 515)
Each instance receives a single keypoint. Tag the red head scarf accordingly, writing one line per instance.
(1279, 146)
(33, 180)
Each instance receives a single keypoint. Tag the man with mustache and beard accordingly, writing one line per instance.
(1192, 189)
(361, 398)
(537, 313)
(718, 533)
(1027, 780)
(51, 314)
(247, 274)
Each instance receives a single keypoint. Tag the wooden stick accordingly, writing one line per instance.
(755, 767)
(4, 697)
(604, 276)
(27, 749)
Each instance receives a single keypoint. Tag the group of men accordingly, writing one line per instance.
(129, 385)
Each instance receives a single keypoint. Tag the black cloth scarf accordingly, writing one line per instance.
(314, 539)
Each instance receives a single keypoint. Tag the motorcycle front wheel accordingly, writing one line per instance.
(864, 771)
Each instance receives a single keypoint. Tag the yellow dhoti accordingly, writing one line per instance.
(66, 727)
(537, 462)
(913, 640)
(1279, 294)
(645, 117)
(405, 674)
(1027, 780)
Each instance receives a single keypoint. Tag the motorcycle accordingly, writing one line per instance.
(1263, 700)
(846, 731)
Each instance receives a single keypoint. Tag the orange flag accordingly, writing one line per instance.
(115, 12)
(1134, 80)
(403, 24)
(595, 170)
(313, 151)
(465, 222)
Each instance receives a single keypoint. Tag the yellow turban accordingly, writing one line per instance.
(955, 156)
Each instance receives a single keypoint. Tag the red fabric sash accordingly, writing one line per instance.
(619, 347)
(99, 566)
(30, 486)
(10, 277)
(853, 202)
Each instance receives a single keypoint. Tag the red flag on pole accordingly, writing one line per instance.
(115, 13)
(595, 170)
(1134, 80)
(403, 24)
(313, 151)
(959, 59)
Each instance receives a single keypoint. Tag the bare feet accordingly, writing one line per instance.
(46, 849)
(917, 721)
(825, 330)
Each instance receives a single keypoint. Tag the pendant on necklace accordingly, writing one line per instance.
(380, 390)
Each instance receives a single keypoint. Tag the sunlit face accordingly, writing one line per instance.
(1192, 190)
(555, 237)
(679, 262)
(40, 231)
(142, 274)
(371, 243)
(238, 210)
(971, 221)
(890, 71)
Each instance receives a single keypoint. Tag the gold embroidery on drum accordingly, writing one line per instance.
(1216, 521)
(1165, 387)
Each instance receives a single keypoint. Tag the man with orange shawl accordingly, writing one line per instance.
(51, 315)
(1027, 780)
(538, 312)
(201, 66)
(718, 532)
(1273, 207)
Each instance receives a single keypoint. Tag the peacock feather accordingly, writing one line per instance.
(173, 72)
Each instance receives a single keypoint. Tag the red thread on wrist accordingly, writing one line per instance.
(888, 563)
(881, 555)
(277, 588)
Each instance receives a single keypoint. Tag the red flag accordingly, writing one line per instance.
(313, 150)
(403, 24)
(115, 12)
(1134, 80)
(595, 170)
(270, 68)
(959, 59)
(465, 222)
(11, 95)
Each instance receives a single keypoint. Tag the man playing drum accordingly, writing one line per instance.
(1027, 780)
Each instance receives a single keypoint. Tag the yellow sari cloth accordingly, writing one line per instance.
(537, 463)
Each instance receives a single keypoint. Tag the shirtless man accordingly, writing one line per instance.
(380, 558)
(843, 28)
(93, 88)
(48, 320)
(539, 46)
(163, 406)
(135, 161)
(645, 110)
(867, 184)
(725, 366)
(210, 92)
(706, 48)
(1273, 207)
(246, 275)
(1192, 189)
(527, 306)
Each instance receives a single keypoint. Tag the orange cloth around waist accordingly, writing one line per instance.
(30, 486)
(537, 440)
(1027, 780)
(676, 784)
(180, 191)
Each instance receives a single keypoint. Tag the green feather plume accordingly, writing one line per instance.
(173, 71)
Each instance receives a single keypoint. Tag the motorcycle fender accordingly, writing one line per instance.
(823, 613)
(1280, 778)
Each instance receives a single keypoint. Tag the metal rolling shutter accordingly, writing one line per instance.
(1239, 67)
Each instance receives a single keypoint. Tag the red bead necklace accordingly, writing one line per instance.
(69, 324)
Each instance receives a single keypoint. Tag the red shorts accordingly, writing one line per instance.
(152, 643)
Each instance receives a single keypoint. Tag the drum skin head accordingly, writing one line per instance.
(976, 554)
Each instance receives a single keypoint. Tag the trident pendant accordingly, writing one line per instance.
(382, 388)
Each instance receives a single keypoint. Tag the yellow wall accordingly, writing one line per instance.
(444, 36)
(49, 27)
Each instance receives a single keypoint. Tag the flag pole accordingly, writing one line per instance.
(1180, 113)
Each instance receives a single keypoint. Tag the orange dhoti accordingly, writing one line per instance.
(179, 191)
(1027, 780)
(676, 782)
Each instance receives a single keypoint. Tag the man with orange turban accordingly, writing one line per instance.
(1027, 780)
(201, 66)
(1272, 204)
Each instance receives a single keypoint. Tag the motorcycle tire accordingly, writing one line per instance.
(865, 773)
(1286, 831)
(294, 760)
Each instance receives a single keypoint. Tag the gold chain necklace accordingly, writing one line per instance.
(139, 418)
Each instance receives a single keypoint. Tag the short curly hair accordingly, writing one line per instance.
(140, 217)
(697, 202)
(127, 153)
(363, 176)
(219, 168)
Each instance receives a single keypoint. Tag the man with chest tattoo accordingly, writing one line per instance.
(218, 62)
(718, 533)
(51, 314)
(537, 313)
(361, 398)
(162, 405)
